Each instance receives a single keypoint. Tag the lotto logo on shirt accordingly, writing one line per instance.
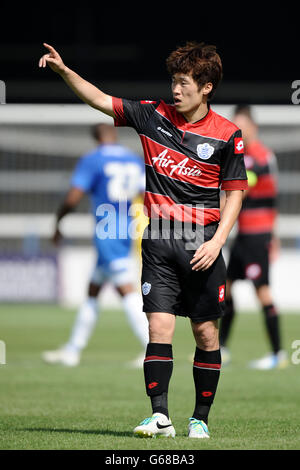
(238, 145)
(222, 293)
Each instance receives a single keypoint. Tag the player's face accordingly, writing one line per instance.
(186, 93)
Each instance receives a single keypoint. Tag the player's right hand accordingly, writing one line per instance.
(53, 59)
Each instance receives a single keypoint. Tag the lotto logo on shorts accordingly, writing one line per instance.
(222, 293)
(238, 145)
(152, 385)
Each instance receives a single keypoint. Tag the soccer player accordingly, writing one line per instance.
(111, 175)
(255, 243)
(190, 151)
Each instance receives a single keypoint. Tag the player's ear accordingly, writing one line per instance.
(207, 88)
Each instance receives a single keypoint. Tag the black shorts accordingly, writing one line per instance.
(249, 259)
(169, 284)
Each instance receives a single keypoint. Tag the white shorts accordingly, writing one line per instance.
(119, 272)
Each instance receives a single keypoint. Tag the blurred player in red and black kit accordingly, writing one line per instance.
(190, 151)
(255, 245)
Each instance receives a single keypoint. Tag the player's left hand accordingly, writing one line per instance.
(206, 255)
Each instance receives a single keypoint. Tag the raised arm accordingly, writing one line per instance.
(83, 89)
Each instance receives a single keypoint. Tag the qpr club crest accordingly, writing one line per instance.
(205, 151)
(146, 287)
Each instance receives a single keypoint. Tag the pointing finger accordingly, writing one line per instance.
(52, 51)
(49, 47)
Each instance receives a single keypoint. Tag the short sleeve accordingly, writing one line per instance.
(133, 113)
(83, 175)
(233, 171)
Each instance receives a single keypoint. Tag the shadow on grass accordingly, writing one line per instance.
(106, 432)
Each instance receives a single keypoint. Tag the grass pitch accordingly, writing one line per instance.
(96, 405)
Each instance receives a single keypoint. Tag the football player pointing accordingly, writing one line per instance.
(177, 280)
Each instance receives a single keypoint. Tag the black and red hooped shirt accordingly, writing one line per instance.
(259, 209)
(186, 163)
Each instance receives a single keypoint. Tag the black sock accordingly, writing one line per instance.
(226, 321)
(206, 373)
(272, 325)
(158, 367)
(159, 404)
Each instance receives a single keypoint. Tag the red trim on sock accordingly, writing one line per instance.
(207, 366)
(158, 358)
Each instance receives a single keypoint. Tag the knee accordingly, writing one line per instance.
(206, 335)
(94, 290)
(125, 289)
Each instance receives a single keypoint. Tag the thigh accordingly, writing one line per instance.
(206, 335)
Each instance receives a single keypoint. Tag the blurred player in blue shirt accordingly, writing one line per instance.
(112, 176)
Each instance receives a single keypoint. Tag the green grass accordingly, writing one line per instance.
(96, 405)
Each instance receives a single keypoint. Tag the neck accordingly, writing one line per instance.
(196, 114)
